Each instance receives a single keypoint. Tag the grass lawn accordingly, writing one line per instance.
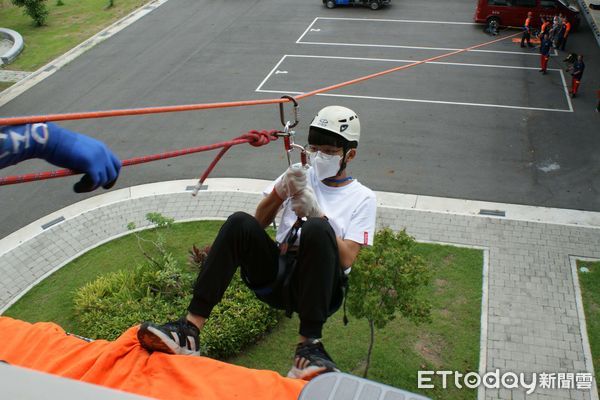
(450, 342)
(67, 26)
(5, 85)
(590, 293)
(57, 291)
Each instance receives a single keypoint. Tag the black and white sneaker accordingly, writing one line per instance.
(178, 337)
(311, 360)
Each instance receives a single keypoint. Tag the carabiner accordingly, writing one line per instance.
(282, 112)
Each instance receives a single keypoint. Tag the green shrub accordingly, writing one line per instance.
(36, 9)
(160, 290)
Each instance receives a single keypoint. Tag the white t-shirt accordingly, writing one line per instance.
(350, 209)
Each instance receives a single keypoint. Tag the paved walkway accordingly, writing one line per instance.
(12, 76)
(592, 16)
(531, 311)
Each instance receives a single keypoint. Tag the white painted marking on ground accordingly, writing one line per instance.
(413, 61)
(307, 29)
(315, 30)
(421, 101)
(401, 20)
(270, 73)
(394, 46)
(564, 81)
(549, 166)
(299, 41)
(280, 72)
(259, 89)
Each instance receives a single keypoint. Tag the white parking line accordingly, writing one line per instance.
(300, 41)
(412, 61)
(562, 76)
(260, 90)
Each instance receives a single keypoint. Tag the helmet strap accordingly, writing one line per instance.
(343, 164)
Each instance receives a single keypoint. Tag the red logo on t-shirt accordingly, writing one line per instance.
(366, 238)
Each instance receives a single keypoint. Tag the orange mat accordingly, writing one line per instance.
(532, 40)
(124, 365)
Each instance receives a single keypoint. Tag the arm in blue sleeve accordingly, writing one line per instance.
(63, 148)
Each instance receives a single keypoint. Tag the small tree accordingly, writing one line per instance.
(386, 279)
(36, 9)
(158, 244)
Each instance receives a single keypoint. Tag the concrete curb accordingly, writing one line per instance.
(399, 201)
(16, 48)
(589, 16)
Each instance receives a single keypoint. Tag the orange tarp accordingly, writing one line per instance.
(124, 365)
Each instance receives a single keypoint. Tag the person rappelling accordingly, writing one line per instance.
(327, 217)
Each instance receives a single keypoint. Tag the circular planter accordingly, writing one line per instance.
(15, 41)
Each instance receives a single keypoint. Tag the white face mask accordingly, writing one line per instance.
(325, 165)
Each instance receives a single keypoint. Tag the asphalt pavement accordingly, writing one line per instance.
(493, 130)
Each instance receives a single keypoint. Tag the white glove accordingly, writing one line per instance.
(305, 204)
(292, 181)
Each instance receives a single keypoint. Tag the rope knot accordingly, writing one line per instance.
(260, 138)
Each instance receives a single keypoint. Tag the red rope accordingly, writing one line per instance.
(254, 138)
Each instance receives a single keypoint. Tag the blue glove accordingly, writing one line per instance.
(63, 148)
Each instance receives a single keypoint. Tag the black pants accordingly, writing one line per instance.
(526, 37)
(563, 43)
(316, 283)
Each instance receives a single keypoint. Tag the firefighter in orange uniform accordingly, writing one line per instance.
(545, 46)
(566, 29)
(527, 31)
(576, 73)
(545, 26)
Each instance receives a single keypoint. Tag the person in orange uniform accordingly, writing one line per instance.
(565, 34)
(545, 46)
(545, 26)
(527, 31)
(576, 73)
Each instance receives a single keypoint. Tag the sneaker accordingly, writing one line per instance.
(178, 337)
(311, 360)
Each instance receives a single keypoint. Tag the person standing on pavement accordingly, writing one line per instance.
(565, 34)
(576, 73)
(545, 26)
(545, 46)
(554, 31)
(527, 31)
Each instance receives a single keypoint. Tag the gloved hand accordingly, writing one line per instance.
(305, 204)
(292, 181)
(81, 153)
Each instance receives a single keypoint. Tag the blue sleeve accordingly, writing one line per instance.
(63, 148)
(22, 142)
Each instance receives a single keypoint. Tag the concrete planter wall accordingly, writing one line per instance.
(17, 47)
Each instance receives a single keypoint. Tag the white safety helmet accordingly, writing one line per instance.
(339, 120)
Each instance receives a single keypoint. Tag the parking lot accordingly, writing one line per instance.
(481, 125)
